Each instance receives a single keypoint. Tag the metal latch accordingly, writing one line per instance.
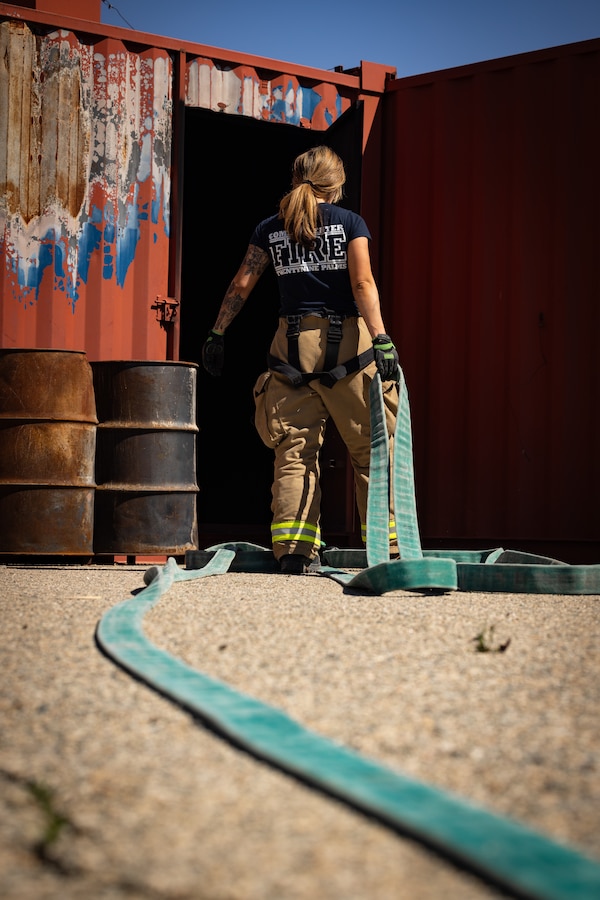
(166, 309)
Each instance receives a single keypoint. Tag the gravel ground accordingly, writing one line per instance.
(110, 791)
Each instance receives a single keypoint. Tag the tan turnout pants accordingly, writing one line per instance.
(292, 421)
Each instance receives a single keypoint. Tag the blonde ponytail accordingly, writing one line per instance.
(317, 174)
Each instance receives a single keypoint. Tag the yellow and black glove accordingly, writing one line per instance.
(386, 357)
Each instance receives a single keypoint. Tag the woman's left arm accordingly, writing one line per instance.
(366, 296)
(364, 288)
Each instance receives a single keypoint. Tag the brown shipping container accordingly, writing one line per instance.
(120, 166)
(493, 234)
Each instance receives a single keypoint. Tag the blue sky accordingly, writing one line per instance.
(416, 36)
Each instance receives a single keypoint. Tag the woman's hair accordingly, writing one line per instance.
(318, 173)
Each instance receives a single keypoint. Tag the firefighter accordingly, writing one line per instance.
(330, 342)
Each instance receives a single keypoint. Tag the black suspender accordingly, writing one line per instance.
(332, 371)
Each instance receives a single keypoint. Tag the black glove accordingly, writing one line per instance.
(386, 357)
(213, 353)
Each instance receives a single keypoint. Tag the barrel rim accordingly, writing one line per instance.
(95, 363)
(6, 350)
(137, 489)
(151, 426)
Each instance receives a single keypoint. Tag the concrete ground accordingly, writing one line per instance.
(111, 791)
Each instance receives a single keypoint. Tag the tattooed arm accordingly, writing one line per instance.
(254, 264)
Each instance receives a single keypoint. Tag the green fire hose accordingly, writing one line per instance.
(509, 854)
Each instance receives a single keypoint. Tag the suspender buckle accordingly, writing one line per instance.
(293, 326)
(334, 332)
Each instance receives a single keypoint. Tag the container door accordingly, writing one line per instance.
(85, 179)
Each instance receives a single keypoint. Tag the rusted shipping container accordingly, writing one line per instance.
(119, 169)
(91, 132)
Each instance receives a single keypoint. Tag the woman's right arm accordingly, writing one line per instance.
(254, 264)
(213, 350)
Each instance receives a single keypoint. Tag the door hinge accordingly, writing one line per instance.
(166, 309)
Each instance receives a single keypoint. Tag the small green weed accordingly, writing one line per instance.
(486, 642)
(54, 821)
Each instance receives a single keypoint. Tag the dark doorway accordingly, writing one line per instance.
(235, 172)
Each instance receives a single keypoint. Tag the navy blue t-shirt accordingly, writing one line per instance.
(310, 281)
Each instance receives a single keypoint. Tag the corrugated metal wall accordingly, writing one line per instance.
(491, 218)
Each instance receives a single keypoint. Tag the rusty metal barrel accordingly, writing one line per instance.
(47, 453)
(146, 489)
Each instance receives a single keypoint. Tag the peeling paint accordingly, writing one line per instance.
(82, 129)
(241, 91)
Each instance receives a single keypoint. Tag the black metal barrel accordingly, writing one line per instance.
(146, 487)
(47, 452)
